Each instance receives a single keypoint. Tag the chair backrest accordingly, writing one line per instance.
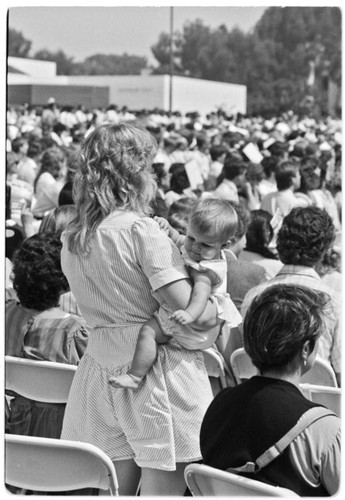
(327, 396)
(242, 365)
(52, 465)
(44, 381)
(203, 480)
(215, 365)
(321, 373)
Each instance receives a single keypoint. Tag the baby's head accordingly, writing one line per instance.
(211, 225)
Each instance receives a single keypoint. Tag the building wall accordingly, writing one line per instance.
(33, 67)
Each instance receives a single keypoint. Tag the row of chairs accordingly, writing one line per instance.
(44, 464)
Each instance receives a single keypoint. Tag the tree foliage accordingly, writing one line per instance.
(17, 45)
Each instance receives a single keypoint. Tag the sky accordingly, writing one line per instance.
(82, 30)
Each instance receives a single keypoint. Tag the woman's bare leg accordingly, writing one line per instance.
(156, 482)
(128, 476)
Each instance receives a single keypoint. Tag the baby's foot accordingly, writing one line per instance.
(126, 381)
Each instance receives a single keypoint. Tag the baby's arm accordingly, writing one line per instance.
(199, 297)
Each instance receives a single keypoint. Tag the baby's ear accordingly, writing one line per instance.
(226, 245)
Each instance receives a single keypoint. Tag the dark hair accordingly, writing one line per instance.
(305, 235)
(255, 172)
(260, 233)
(284, 174)
(37, 275)
(179, 179)
(309, 179)
(232, 168)
(278, 323)
(58, 219)
(269, 164)
(160, 172)
(217, 150)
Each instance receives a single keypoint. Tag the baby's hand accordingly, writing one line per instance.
(182, 317)
(163, 224)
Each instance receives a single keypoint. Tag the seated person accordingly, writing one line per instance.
(36, 328)
(281, 332)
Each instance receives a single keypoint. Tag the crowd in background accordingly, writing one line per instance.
(282, 176)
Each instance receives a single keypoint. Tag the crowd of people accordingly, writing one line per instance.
(137, 239)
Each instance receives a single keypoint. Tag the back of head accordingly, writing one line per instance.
(214, 216)
(278, 323)
(179, 213)
(284, 174)
(37, 275)
(305, 235)
(179, 179)
(269, 164)
(217, 151)
(260, 233)
(114, 173)
(233, 167)
(58, 219)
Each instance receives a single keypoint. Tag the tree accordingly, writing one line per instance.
(18, 46)
(64, 64)
(102, 64)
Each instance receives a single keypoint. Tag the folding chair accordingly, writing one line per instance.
(242, 365)
(215, 366)
(327, 396)
(321, 373)
(53, 465)
(203, 481)
(43, 381)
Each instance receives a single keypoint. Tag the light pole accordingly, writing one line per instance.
(171, 59)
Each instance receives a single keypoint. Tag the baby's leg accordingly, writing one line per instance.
(144, 356)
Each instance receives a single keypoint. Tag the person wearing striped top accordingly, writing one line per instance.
(115, 256)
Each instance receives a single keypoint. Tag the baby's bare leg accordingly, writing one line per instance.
(144, 356)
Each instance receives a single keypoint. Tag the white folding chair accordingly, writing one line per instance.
(215, 366)
(242, 365)
(43, 381)
(327, 396)
(53, 465)
(204, 481)
(321, 373)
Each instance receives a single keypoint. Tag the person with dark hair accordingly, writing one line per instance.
(311, 188)
(49, 181)
(242, 275)
(160, 206)
(268, 183)
(259, 236)
(36, 328)
(231, 179)
(218, 153)
(282, 329)
(306, 234)
(179, 184)
(179, 212)
(288, 179)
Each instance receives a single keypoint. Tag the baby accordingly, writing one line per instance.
(211, 225)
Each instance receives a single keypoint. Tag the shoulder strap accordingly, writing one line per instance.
(274, 451)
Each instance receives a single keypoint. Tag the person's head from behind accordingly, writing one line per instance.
(282, 327)
(52, 161)
(114, 173)
(260, 232)
(218, 152)
(37, 275)
(269, 164)
(287, 175)
(234, 170)
(179, 212)
(162, 176)
(255, 173)
(211, 225)
(58, 219)
(239, 239)
(178, 178)
(310, 174)
(305, 235)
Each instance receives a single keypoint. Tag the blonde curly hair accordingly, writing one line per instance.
(114, 173)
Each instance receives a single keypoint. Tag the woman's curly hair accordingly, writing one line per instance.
(306, 234)
(114, 173)
(37, 275)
